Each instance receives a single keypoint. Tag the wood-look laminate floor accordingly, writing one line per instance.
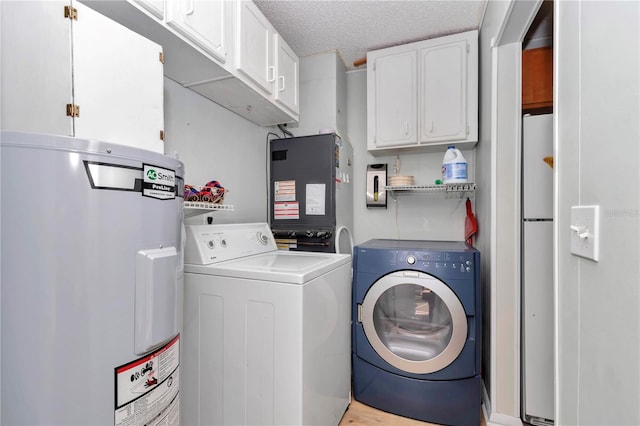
(359, 414)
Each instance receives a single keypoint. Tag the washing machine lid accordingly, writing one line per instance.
(278, 266)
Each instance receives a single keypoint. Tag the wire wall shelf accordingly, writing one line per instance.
(194, 208)
(444, 188)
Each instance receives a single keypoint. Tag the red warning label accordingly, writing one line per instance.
(147, 389)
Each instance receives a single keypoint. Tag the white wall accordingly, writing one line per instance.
(216, 144)
(414, 216)
(597, 52)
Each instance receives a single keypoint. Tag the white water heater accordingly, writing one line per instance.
(91, 282)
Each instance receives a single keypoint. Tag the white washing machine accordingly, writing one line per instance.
(266, 337)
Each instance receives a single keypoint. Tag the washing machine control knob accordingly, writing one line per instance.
(262, 238)
(411, 260)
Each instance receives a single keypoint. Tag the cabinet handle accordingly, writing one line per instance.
(281, 83)
(192, 7)
(406, 128)
(271, 73)
(431, 131)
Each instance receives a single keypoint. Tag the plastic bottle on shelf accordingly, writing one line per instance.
(454, 166)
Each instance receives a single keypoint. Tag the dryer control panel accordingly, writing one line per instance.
(456, 263)
(445, 259)
(207, 244)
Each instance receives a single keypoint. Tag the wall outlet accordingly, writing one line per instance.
(585, 231)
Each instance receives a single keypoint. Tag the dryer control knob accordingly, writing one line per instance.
(411, 260)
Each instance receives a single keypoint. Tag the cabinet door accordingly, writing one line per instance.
(287, 65)
(254, 44)
(155, 7)
(392, 100)
(35, 67)
(117, 85)
(444, 92)
(202, 22)
(537, 79)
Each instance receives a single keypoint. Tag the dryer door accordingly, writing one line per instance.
(414, 321)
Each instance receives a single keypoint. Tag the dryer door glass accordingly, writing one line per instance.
(414, 322)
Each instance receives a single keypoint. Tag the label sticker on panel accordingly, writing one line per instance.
(284, 190)
(283, 210)
(147, 389)
(315, 199)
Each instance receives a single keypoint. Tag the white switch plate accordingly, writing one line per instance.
(585, 231)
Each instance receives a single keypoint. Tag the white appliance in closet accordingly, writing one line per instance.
(92, 282)
(266, 336)
(537, 269)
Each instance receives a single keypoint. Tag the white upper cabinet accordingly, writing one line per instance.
(203, 22)
(265, 58)
(155, 7)
(226, 50)
(59, 76)
(120, 91)
(254, 46)
(287, 82)
(423, 94)
(444, 92)
(392, 101)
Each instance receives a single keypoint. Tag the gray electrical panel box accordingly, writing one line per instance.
(311, 191)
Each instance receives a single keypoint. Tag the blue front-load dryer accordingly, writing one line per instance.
(417, 329)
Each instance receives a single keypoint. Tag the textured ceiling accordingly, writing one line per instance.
(354, 27)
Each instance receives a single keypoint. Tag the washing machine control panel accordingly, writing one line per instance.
(208, 244)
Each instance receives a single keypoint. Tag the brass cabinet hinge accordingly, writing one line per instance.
(161, 58)
(73, 110)
(162, 135)
(71, 13)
